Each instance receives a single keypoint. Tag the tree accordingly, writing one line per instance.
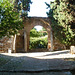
(10, 16)
(22, 6)
(34, 33)
(43, 31)
(9, 19)
(62, 14)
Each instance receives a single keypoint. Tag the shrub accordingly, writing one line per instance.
(38, 42)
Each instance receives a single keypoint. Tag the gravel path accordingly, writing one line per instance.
(40, 61)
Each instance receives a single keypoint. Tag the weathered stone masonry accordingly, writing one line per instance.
(6, 43)
(20, 42)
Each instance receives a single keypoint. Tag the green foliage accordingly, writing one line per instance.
(43, 32)
(38, 42)
(62, 14)
(34, 33)
(9, 19)
(38, 39)
(22, 6)
(10, 15)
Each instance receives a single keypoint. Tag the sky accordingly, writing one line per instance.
(38, 9)
(38, 27)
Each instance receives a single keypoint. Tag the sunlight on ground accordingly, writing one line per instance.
(44, 55)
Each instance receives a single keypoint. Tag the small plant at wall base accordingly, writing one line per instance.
(61, 15)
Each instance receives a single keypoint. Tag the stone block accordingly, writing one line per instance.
(72, 49)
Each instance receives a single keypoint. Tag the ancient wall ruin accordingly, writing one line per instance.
(20, 42)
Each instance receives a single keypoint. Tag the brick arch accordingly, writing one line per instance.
(32, 22)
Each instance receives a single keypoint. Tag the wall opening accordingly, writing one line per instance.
(38, 39)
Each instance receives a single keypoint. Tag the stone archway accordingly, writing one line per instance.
(20, 42)
(30, 23)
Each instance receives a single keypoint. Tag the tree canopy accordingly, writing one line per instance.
(61, 14)
(10, 16)
(35, 33)
(22, 6)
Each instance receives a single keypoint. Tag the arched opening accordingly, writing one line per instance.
(38, 39)
(30, 23)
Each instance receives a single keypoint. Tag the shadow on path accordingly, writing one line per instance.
(17, 63)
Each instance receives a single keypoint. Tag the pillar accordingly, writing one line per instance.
(25, 41)
(28, 39)
(14, 44)
(51, 41)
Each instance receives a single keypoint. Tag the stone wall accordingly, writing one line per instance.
(5, 44)
(57, 45)
(21, 43)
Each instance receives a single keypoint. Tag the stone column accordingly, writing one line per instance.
(51, 41)
(51, 35)
(28, 39)
(14, 44)
(25, 41)
(72, 49)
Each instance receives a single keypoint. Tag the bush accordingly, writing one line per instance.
(38, 42)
